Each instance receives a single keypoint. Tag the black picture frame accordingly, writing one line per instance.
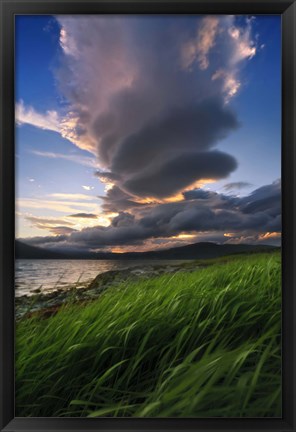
(287, 10)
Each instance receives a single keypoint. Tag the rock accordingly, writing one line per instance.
(37, 290)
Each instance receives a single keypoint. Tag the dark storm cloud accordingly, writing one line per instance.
(176, 174)
(84, 215)
(264, 199)
(275, 224)
(198, 194)
(61, 230)
(214, 213)
(150, 98)
(179, 173)
(100, 237)
(43, 241)
(107, 176)
(123, 220)
(236, 185)
(172, 151)
(116, 200)
(187, 129)
(164, 99)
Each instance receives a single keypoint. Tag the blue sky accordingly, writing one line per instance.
(76, 76)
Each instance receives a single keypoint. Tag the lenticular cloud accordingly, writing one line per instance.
(149, 96)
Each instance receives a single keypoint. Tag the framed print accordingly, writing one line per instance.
(147, 215)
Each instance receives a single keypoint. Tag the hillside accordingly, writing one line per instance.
(193, 251)
(208, 341)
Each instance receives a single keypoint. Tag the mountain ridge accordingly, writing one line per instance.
(201, 250)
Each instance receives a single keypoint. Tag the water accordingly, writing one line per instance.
(50, 275)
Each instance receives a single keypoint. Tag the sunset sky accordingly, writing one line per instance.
(147, 132)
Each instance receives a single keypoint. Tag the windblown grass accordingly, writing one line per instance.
(201, 344)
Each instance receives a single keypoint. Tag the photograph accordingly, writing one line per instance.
(148, 216)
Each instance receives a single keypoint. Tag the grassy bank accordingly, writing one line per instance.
(199, 344)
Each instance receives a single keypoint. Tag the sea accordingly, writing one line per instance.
(50, 275)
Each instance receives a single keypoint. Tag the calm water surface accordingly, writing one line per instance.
(49, 275)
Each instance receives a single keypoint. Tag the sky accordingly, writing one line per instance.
(145, 132)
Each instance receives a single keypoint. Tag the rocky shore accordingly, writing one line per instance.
(47, 304)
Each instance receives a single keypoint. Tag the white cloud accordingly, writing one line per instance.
(244, 47)
(48, 221)
(66, 125)
(71, 196)
(67, 43)
(231, 83)
(69, 127)
(27, 115)
(232, 44)
(56, 205)
(82, 160)
(198, 49)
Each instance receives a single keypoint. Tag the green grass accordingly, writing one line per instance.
(201, 344)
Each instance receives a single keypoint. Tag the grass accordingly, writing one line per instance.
(201, 344)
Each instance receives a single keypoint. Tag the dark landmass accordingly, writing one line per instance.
(201, 250)
(25, 251)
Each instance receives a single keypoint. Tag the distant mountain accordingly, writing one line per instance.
(193, 251)
(200, 250)
(25, 251)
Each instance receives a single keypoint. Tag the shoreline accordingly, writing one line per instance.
(48, 303)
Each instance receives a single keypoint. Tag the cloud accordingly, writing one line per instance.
(88, 188)
(147, 95)
(150, 98)
(244, 46)
(64, 124)
(198, 194)
(216, 36)
(143, 104)
(66, 224)
(42, 241)
(203, 213)
(61, 230)
(71, 196)
(53, 225)
(197, 50)
(84, 215)
(176, 174)
(27, 115)
(241, 47)
(123, 220)
(60, 206)
(194, 128)
(81, 160)
(236, 186)
(42, 221)
(264, 199)
(117, 200)
(143, 89)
